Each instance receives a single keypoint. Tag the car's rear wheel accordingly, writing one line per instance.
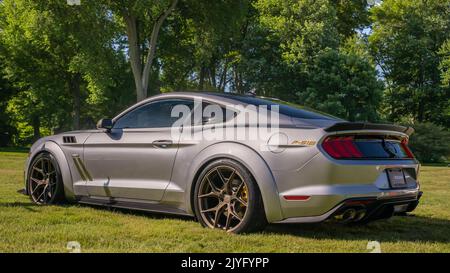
(44, 180)
(228, 198)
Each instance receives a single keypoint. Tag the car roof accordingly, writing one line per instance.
(216, 96)
(286, 108)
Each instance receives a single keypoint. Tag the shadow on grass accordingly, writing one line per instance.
(14, 149)
(26, 205)
(409, 228)
(142, 213)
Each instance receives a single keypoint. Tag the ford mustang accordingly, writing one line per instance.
(305, 167)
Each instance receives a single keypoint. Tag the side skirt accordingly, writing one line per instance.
(150, 207)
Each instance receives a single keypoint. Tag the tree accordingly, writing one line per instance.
(6, 92)
(262, 68)
(444, 66)
(208, 35)
(54, 56)
(26, 66)
(304, 28)
(352, 16)
(142, 21)
(344, 84)
(406, 39)
(429, 142)
(325, 62)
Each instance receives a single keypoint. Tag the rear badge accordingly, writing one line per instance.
(304, 142)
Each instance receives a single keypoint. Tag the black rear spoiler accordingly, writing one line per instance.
(350, 126)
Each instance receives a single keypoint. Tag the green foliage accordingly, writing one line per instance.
(63, 67)
(406, 39)
(345, 85)
(262, 67)
(62, 60)
(329, 65)
(304, 28)
(209, 37)
(7, 131)
(430, 142)
(352, 16)
(445, 63)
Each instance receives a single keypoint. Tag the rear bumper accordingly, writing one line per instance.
(327, 182)
(365, 208)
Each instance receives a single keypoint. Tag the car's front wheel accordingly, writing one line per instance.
(228, 198)
(44, 180)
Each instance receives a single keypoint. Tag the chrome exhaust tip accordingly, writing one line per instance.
(347, 216)
(360, 215)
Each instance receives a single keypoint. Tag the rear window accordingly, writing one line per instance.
(285, 108)
(377, 148)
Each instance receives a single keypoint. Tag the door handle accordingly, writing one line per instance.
(162, 143)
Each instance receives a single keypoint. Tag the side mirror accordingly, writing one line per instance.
(105, 123)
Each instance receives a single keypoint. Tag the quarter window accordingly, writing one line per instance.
(211, 117)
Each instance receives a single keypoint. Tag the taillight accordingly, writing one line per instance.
(366, 147)
(341, 147)
(406, 149)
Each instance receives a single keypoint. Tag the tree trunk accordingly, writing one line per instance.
(201, 82)
(135, 54)
(212, 76)
(223, 77)
(420, 111)
(237, 80)
(74, 86)
(141, 76)
(36, 124)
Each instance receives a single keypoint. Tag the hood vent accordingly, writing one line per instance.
(69, 139)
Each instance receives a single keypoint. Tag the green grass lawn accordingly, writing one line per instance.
(25, 227)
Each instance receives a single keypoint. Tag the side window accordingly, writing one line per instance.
(211, 115)
(152, 115)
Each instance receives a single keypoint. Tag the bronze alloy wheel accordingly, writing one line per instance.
(223, 198)
(43, 180)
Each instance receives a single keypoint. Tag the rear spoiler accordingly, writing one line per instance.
(350, 126)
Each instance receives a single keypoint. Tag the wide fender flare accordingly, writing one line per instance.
(54, 149)
(251, 160)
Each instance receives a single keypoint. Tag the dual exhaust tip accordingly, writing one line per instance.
(351, 215)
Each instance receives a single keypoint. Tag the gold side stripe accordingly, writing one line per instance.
(77, 165)
(85, 175)
(88, 175)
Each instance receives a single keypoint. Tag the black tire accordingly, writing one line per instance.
(46, 177)
(254, 218)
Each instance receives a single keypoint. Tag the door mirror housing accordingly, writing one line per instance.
(105, 123)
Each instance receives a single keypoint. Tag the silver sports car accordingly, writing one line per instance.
(235, 162)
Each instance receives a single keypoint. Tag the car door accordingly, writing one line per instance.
(134, 160)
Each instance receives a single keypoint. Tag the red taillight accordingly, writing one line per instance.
(406, 149)
(367, 147)
(341, 147)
